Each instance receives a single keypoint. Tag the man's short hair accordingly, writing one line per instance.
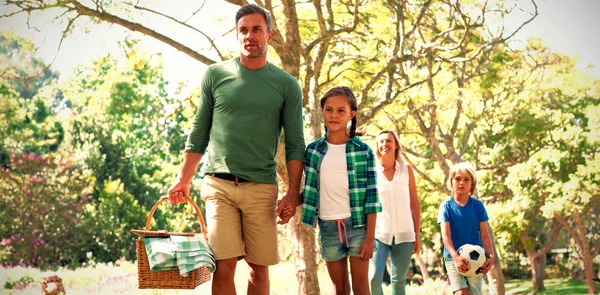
(253, 8)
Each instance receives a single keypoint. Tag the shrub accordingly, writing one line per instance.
(39, 222)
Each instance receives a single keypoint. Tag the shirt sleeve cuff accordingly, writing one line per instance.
(295, 155)
(194, 148)
(373, 208)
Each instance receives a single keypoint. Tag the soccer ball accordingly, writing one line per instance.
(476, 257)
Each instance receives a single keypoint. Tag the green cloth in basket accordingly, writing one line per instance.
(178, 252)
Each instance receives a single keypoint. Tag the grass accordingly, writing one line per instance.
(107, 279)
(559, 286)
(122, 279)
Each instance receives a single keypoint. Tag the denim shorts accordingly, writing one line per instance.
(332, 249)
(458, 281)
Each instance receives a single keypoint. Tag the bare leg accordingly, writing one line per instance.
(461, 292)
(258, 282)
(222, 281)
(338, 272)
(359, 270)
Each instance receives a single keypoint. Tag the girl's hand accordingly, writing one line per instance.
(366, 249)
(462, 265)
(487, 265)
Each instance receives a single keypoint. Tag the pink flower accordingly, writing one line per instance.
(8, 241)
(38, 242)
(26, 190)
(20, 287)
(36, 179)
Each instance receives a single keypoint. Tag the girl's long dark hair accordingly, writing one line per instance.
(347, 92)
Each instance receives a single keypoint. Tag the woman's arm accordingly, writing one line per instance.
(415, 209)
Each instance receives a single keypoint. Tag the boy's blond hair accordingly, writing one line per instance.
(465, 167)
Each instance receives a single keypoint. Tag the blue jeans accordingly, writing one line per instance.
(400, 255)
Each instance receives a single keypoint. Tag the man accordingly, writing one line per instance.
(243, 106)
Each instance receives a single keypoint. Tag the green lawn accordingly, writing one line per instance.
(106, 279)
(553, 287)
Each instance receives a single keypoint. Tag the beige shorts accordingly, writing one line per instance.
(241, 220)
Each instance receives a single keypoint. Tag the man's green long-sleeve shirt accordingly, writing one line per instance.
(239, 120)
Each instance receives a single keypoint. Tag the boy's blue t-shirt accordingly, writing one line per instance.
(464, 222)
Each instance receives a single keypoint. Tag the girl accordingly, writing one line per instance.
(398, 226)
(340, 193)
(464, 221)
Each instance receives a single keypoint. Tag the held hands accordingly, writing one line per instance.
(366, 249)
(286, 207)
(178, 192)
(487, 265)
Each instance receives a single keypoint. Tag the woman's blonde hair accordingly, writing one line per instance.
(397, 153)
(464, 167)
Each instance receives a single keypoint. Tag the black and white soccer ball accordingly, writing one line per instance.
(476, 257)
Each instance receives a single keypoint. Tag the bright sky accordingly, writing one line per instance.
(567, 26)
(571, 27)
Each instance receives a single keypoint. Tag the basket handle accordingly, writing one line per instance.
(198, 212)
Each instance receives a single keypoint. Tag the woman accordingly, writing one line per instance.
(398, 225)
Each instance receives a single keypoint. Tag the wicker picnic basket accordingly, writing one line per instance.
(167, 279)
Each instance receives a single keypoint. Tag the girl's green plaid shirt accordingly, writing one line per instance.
(362, 181)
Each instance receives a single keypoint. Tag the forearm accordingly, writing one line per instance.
(488, 246)
(447, 239)
(449, 246)
(415, 205)
(295, 168)
(189, 166)
(371, 222)
(416, 216)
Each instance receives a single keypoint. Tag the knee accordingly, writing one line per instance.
(377, 277)
(360, 289)
(378, 270)
(342, 288)
(225, 269)
(258, 272)
(398, 278)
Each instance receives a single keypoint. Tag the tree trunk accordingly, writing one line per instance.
(588, 268)
(538, 271)
(305, 257)
(538, 258)
(303, 237)
(578, 235)
(495, 276)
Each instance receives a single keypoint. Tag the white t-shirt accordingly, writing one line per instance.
(395, 221)
(334, 194)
